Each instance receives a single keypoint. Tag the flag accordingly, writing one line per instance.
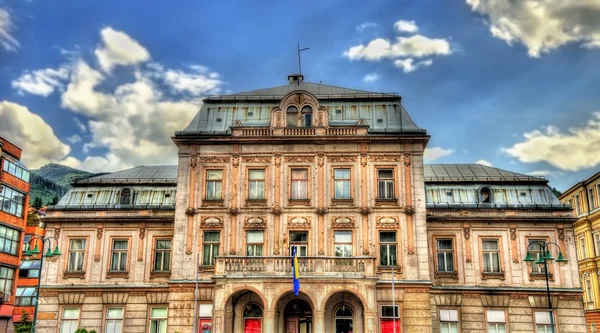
(295, 274)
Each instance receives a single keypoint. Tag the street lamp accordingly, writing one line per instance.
(543, 258)
(48, 254)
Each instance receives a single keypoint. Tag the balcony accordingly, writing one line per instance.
(230, 266)
(301, 131)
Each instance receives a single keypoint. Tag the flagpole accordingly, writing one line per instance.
(393, 297)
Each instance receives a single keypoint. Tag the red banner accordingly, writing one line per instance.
(252, 326)
(387, 326)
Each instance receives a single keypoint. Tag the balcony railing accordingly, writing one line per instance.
(281, 266)
(300, 131)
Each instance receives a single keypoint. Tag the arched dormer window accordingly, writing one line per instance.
(307, 113)
(292, 116)
(125, 198)
(485, 195)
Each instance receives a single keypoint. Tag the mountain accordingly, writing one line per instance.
(54, 180)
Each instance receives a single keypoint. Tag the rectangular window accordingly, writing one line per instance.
(299, 240)
(390, 317)
(76, 255)
(214, 184)
(254, 243)
(9, 240)
(158, 320)
(205, 318)
(29, 269)
(536, 253)
(589, 296)
(69, 320)
(299, 184)
(385, 184)
(25, 244)
(496, 320)
(448, 321)
(491, 255)
(387, 248)
(211, 247)
(342, 243)
(118, 262)
(16, 170)
(444, 255)
(113, 323)
(577, 206)
(11, 201)
(592, 199)
(25, 296)
(597, 242)
(582, 248)
(162, 255)
(256, 184)
(7, 276)
(542, 322)
(341, 183)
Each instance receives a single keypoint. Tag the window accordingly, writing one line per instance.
(577, 205)
(162, 255)
(292, 116)
(16, 170)
(9, 240)
(542, 322)
(385, 184)
(344, 320)
(205, 317)
(589, 296)
(211, 247)
(299, 240)
(254, 243)
(597, 242)
(25, 244)
(214, 181)
(444, 255)
(448, 321)
(118, 262)
(390, 315)
(25, 296)
(299, 184)
(158, 320)
(592, 199)
(125, 197)
(252, 318)
(256, 184)
(342, 243)
(582, 248)
(29, 269)
(536, 253)
(491, 255)
(69, 320)
(307, 116)
(11, 201)
(113, 323)
(338, 114)
(485, 195)
(496, 320)
(7, 276)
(76, 255)
(341, 181)
(387, 248)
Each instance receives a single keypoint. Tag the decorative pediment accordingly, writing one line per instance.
(448, 299)
(212, 222)
(237, 123)
(362, 122)
(71, 298)
(387, 222)
(302, 222)
(342, 221)
(157, 297)
(115, 298)
(255, 223)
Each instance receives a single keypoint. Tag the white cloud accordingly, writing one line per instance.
(74, 139)
(573, 150)
(406, 26)
(119, 49)
(196, 83)
(484, 162)
(413, 46)
(7, 41)
(41, 82)
(80, 125)
(31, 133)
(372, 77)
(540, 173)
(363, 26)
(408, 66)
(432, 154)
(542, 26)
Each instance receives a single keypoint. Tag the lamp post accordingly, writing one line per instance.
(543, 258)
(48, 254)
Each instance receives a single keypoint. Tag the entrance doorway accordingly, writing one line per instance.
(344, 320)
(252, 318)
(298, 317)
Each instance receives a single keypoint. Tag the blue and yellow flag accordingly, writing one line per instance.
(295, 274)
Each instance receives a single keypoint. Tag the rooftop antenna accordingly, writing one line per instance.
(299, 58)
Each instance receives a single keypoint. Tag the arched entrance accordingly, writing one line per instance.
(294, 314)
(344, 313)
(244, 312)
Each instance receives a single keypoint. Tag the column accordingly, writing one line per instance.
(269, 321)
(318, 321)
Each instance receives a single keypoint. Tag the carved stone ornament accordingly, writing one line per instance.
(362, 122)
(386, 158)
(299, 159)
(214, 159)
(236, 161)
(276, 210)
(321, 160)
(513, 233)
(365, 210)
(142, 233)
(409, 210)
(233, 211)
(387, 221)
(342, 158)
(363, 161)
(237, 123)
(99, 233)
(561, 234)
(191, 211)
(342, 221)
(211, 222)
(467, 233)
(257, 159)
(57, 233)
(320, 210)
(277, 160)
(255, 223)
(193, 161)
(299, 222)
(407, 159)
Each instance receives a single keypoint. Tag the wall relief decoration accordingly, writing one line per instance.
(257, 159)
(342, 158)
(387, 221)
(214, 159)
(299, 159)
(212, 222)
(342, 221)
(299, 222)
(407, 159)
(237, 123)
(386, 158)
(255, 223)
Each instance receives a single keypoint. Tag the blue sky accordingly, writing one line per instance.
(102, 85)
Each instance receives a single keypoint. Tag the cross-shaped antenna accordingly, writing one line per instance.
(299, 58)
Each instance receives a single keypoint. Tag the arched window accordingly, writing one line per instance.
(125, 197)
(485, 195)
(344, 320)
(307, 116)
(252, 318)
(292, 116)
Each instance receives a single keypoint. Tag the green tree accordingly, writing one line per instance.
(556, 192)
(37, 203)
(24, 324)
(55, 200)
(81, 330)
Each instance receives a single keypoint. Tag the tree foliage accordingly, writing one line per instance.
(37, 203)
(24, 324)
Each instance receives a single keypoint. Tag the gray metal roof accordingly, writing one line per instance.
(165, 174)
(473, 173)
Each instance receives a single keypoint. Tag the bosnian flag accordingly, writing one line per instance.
(295, 274)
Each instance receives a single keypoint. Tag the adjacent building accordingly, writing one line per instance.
(584, 198)
(14, 200)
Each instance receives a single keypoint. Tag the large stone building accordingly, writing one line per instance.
(584, 197)
(336, 174)
(14, 199)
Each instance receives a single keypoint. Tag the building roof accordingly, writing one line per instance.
(585, 182)
(166, 174)
(473, 173)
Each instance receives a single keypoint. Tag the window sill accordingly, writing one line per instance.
(347, 202)
(122, 275)
(207, 202)
(446, 275)
(206, 268)
(541, 276)
(160, 274)
(397, 269)
(492, 275)
(68, 275)
(256, 202)
(392, 202)
(299, 202)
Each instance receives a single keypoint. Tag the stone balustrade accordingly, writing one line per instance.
(300, 131)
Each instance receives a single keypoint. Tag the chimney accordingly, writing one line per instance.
(295, 78)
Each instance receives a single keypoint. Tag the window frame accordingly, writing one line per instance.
(500, 252)
(291, 199)
(351, 186)
(577, 200)
(212, 244)
(591, 199)
(62, 313)
(441, 322)
(7, 163)
(351, 243)
(395, 183)
(488, 322)
(396, 312)
(535, 324)
(588, 293)
(70, 273)
(295, 113)
(8, 279)
(539, 275)
(150, 318)
(395, 243)
(31, 298)
(596, 237)
(16, 242)
(246, 243)
(582, 247)
(205, 184)
(120, 251)
(105, 313)
(451, 274)
(155, 240)
(265, 179)
(20, 207)
(299, 243)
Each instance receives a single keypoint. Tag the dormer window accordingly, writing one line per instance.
(292, 116)
(485, 195)
(125, 198)
(307, 116)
